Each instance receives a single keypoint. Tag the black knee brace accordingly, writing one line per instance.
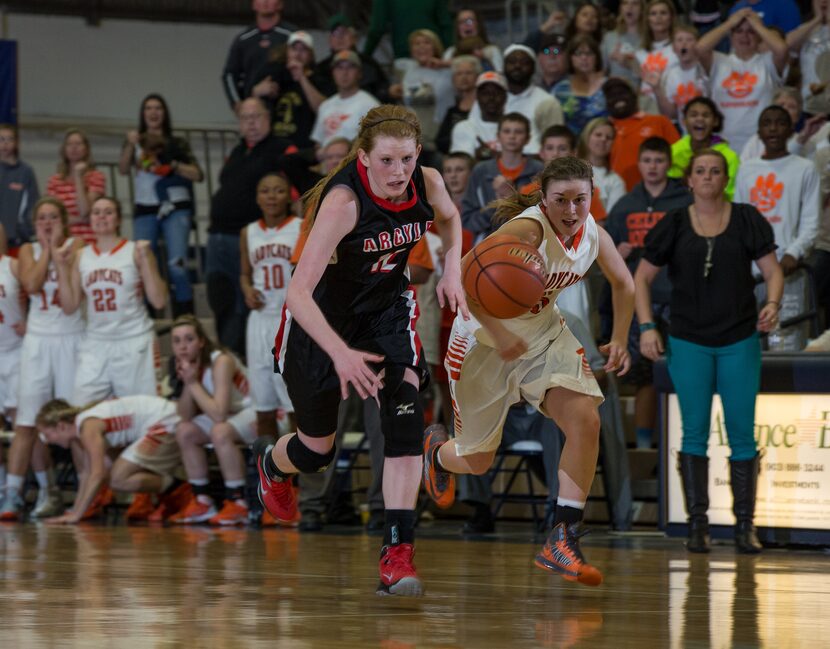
(306, 460)
(401, 416)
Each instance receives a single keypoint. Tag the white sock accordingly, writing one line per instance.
(14, 483)
(198, 482)
(234, 484)
(576, 504)
(42, 478)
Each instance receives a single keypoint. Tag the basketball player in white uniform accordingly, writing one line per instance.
(215, 407)
(144, 426)
(494, 363)
(266, 248)
(48, 358)
(12, 324)
(119, 354)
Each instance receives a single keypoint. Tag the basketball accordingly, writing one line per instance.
(504, 275)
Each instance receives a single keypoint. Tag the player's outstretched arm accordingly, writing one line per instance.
(448, 223)
(622, 298)
(94, 449)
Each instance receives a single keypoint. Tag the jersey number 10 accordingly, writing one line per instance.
(273, 277)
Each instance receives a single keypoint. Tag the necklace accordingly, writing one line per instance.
(710, 241)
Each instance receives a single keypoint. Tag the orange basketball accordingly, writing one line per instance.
(505, 275)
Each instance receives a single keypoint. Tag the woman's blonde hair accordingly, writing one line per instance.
(56, 411)
(647, 36)
(57, 204)
(63, 165)
(437, 45)
(386, 120)
(566, 168)
(590, 127)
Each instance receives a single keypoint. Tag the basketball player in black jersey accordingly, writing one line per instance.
(350, 319)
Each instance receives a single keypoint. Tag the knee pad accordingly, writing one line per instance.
(306, 460)
(401, 418)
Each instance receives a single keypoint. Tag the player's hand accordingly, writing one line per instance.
(651, 344)
(768, 317)
(619, 360)
(20, 328)
(651, 77)
(132, 137)
(80, 169)
(788, 265)
(254, 300)
(509, 345)
(352, 366)
(186, 370)
(63, 254)
(451, 292)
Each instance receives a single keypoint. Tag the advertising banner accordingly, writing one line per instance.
(793, 433)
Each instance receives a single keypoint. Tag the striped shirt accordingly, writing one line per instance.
(63, 188)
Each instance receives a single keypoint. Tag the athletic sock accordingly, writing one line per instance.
(200, 486)
(399, 527)
(436, 460)
(568, 511)
(14, 483)
(235, 489)
(42, 478)
(272, 471)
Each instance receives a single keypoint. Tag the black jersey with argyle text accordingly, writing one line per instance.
(367, 272)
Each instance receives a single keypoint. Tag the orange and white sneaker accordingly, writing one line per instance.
(198, 510)
(397, 572)
(233, 512)
(102, 499)
(561, 554)
(440, 485)
(172, 503)
(141, 508)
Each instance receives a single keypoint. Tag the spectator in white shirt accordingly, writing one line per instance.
(339, 116)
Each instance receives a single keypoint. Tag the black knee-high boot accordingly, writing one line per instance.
(744, 477)
(694, 470)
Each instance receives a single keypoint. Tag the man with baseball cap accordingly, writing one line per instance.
(552, 60)
(343, 36)
(478, 134)
(339, 115)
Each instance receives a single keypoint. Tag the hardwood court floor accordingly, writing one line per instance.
(118, 586)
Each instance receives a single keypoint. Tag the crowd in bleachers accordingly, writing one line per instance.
(631, 86)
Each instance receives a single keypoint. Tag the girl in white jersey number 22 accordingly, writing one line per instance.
(494, 363)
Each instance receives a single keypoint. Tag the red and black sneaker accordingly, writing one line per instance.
(440, 485)
(276, 495)
(397, 572)
(561, 554)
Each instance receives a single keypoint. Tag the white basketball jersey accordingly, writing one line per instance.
(565, 267)
(130, 418)
(10, 311)
(269, 251)
(46, 318)
(240, 398)
(114, 292)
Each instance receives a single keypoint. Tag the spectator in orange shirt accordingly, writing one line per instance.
(633, 128)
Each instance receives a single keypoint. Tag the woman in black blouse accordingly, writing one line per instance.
(713, 343)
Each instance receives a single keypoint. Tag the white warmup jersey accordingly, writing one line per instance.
(10, 311)
(114, 293)
(128, 419)
(269, 251)
(565, 267)
(240, 398)
(46, 318)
